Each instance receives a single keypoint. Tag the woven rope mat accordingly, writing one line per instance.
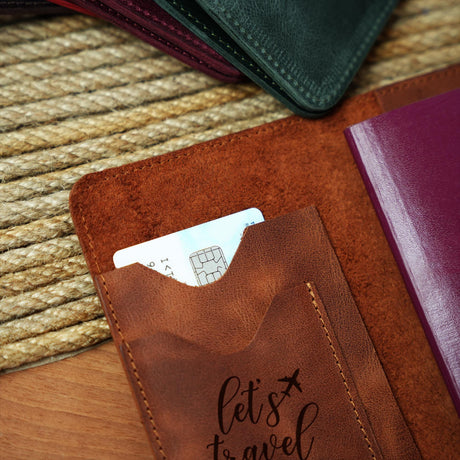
(77, 96)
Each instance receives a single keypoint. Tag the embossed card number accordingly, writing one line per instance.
(240, 405)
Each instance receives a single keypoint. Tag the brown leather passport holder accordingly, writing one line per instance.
(280, 167)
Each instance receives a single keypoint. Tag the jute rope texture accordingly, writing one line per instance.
(77, 96)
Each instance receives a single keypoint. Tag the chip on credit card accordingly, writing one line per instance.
(197, 255)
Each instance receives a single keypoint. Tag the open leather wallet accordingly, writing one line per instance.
(309, 344)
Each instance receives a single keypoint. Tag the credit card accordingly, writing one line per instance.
(197, 255)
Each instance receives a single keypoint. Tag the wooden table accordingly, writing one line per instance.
(80, 408)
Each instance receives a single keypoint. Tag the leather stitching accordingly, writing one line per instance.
(288, 121)
(339, 366)
(407, 84)
(306, 93)
(204, 27)
(295, 79)
(156, 37)
(125, 343)
(173, 157)
(181, 33)
(250, 133)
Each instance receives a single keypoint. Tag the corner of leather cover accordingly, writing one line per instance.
(420, 87)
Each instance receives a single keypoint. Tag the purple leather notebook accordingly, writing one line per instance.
(410, 162)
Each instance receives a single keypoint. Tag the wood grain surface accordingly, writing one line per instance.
(77, 408)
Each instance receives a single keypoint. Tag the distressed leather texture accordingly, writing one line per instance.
(304, 53)
(281, 167)
(146, 20)
(409, 159)
(261, 321)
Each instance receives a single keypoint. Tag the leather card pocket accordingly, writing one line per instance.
(255, 365)
(287, 393)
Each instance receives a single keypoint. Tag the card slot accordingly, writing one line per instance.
(272, 256)
(249, 242)
(234, 266)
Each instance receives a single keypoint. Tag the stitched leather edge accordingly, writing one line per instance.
(416, 81)
(340, 368)
(399, 86)
(357, 55)
(124, 342)
(110, 11)
(306, 93)
(181, 33)
(275, 127)
(239, 56)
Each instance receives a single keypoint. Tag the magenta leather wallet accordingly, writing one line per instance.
(149, 22)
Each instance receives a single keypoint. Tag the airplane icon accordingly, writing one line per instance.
(291, 382)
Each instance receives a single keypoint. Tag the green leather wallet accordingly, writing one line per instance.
(303, 52)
